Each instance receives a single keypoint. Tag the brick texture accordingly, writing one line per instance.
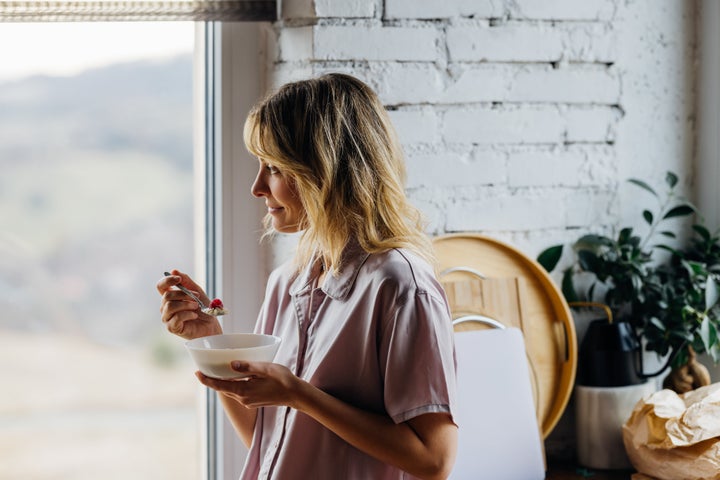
(514, 114)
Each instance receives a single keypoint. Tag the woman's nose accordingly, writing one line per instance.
(259, 187)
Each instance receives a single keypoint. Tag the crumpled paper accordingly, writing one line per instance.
(676, 437)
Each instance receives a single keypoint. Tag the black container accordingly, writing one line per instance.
(609, 355)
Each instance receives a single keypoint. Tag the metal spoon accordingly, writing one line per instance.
(203, 308)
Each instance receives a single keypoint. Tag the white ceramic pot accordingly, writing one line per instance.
(600, 413)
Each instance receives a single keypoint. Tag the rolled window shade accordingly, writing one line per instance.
(121, 10)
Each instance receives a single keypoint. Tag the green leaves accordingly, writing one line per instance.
(708, 333)
(592, 242)
(679, 211)
(588, 261)
(643, 185)
(625, 236)
(568, 286)
(671, 304)
(657, 324)
(550, 257)
(703, 232)
(648, 216)
(711, 293)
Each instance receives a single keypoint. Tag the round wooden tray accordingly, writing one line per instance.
(517, 292)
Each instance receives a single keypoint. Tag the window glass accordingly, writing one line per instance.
(95, 203)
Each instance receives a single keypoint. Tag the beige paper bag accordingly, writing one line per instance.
(676, 437)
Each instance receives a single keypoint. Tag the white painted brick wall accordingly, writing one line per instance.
(522, 9)
(333, 8)
(575, 166)
(419, 125)
(397, 44)
(424, 9)
(592, 124)
(296, 44)
(531, 42)
(456, 169)
(563, 9)
(429, 83)
(531, 83)
(515, 125)
(589, 208)
(564, 85)
(520, 118)
(505, 210)
(404, 82)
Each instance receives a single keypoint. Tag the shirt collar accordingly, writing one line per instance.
(338, 287)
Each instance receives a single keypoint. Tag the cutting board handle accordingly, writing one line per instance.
(478, 318)
(472, 271)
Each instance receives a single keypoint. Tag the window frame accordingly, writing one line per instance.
(229, 79)
(707, 172)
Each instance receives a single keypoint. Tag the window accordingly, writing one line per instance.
(96, 200)
(227, 80)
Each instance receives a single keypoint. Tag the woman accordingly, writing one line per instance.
(363, 384)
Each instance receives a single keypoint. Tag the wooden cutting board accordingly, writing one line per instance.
(515, 290)
(494, 297)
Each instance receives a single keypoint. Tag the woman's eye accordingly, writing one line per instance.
(272, 170)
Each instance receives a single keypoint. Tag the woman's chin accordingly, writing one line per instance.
(284, 228)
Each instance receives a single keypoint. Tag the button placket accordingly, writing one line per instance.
(272, 451)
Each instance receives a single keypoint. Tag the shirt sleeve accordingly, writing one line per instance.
(418, 354)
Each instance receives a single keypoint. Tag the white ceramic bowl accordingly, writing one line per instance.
(213, 354)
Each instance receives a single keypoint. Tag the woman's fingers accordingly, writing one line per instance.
(241, 366)
(174, 300)
(177, 323)
(180, 313)
(177, 304)
(236, 388)
(187, 282)
(166, 283)
(266, 384)
(177, 277)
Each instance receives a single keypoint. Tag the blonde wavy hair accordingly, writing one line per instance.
(332, 137)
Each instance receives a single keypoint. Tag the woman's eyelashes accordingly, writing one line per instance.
(268, 167)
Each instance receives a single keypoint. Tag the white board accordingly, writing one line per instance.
(498, 436)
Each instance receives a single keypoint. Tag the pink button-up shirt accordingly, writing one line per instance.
(378, 336)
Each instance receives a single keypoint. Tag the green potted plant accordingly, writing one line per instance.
(660, 296)
(671, 304)
(682, 313)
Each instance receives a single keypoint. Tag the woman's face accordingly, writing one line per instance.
(281, 198)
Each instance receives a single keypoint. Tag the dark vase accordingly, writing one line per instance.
(609, 355)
